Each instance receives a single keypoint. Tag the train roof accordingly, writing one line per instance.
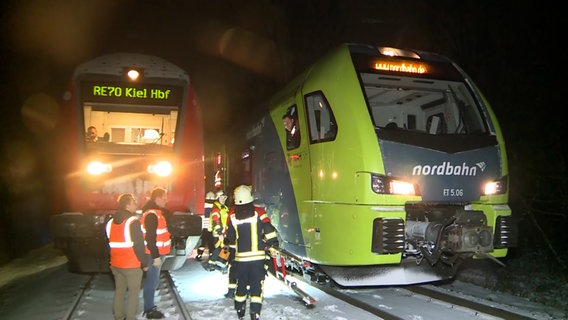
(115, 63)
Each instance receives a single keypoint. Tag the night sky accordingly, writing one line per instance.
(239, 52)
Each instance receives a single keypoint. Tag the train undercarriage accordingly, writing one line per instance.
(436, 241)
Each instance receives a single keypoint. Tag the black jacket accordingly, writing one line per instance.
(255, 235)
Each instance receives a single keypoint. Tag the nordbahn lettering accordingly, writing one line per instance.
(445, 169)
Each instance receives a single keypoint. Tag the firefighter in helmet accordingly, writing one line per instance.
(217, 223)
(253, 236)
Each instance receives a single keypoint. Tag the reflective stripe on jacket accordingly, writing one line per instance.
(206, 223)
(121, 246)
(163, 236)
(253, 235)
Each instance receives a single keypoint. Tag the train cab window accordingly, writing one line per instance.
(290, 121)
(321, 120)
(432, 106)
(138, 125)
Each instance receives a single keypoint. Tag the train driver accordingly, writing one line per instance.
(292, 131)
(92, 134)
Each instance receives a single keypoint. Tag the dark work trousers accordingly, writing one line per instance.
(207, 241)
(249, 273)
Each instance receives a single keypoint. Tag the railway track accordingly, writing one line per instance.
(81, 297)
(410, 302)
(56, 294)
(99, 290)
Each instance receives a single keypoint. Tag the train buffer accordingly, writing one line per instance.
(279, 272)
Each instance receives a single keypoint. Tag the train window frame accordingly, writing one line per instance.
(321, 120)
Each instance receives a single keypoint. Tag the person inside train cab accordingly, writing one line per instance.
(292, 132)
(92, 134)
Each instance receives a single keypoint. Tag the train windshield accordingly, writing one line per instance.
(130, 125)
(422, 105)
(130, 118)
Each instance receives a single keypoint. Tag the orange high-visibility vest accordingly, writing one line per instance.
(121, 246)
(163, 236)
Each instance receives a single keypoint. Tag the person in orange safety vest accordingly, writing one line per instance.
(127, 256)
(158, 244)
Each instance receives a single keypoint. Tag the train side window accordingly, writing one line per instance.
(321, 121)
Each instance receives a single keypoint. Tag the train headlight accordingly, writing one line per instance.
(388, 185)
(97, 168)
(162, 168)
(495, 187)
(402, 187)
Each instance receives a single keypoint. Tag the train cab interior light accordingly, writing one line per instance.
(151, 134)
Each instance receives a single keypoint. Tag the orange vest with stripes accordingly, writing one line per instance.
(121, 246)
(163, 236)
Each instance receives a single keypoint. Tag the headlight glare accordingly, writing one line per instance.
(97, 168)
(388, 185)
(495, 187)
(162, 168)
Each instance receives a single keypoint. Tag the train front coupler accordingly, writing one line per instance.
(462, 235)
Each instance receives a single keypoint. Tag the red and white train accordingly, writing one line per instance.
(150, 134)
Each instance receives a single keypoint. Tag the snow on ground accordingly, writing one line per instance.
(34, 261)
(203, 293)
(204, 297)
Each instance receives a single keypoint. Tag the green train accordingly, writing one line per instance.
(393, 172)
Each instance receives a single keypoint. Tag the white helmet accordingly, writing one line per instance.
(210, 196)
(243, 195)
(219, 194)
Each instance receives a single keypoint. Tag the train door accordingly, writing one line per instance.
(321, 128)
